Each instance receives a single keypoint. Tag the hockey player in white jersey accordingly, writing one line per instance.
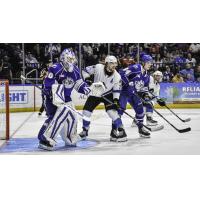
(110, 78)
(154, 88)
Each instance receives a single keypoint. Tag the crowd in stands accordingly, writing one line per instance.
(179, 62)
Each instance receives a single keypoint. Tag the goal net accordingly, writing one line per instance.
(4, 109)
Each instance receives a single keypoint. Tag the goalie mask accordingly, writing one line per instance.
(110, 65)
(68, 60)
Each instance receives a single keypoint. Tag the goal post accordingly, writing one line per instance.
(4, 110)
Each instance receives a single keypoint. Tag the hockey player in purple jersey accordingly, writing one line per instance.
(135, 81)
(62, 78)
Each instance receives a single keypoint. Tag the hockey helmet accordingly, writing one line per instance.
(68, 59)
(111, 63)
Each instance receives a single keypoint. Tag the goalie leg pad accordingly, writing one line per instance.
(69, 131)
(58, 125)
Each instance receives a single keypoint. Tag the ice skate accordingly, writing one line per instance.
(45, 145)
(151, 122)
(144, 133)
(122, 137)
(84, 134)
(113, 135)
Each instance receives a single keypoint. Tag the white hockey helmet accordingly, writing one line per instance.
(111, 63)
(68, 59)
(158, 73)
(158, 76)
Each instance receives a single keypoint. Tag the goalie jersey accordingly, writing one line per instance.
(133, 80)
(112, 83)
(70, 80)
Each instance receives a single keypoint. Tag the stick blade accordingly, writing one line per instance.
(153, 129)
(187, 120)
(184, 130)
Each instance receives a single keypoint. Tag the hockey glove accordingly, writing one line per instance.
(145, 96)
(161, 102)
(88, 81)
(116, 104)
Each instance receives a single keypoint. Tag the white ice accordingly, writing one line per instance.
(166, 141)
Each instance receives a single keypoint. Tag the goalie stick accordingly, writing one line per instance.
(152, 129)
(183, 120)
(179, 130)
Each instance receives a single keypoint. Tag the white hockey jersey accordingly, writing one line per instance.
(112, 83)
(155, 86)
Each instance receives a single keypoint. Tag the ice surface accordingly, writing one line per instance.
(25, 127)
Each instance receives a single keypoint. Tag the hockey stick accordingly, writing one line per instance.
(71, 108)
(183, 120)
(152, 129)
(179, 130)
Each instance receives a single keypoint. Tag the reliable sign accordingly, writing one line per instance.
(181, 92)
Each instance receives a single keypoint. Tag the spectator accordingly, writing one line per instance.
(189, 78)
(157, 62)
(188, 70)
(191, 60)
(177, 78)
(194, 48)
(5, 70)
(53, 49)
(167, 75)
(87, 50)
(31, 61)
(197, 74)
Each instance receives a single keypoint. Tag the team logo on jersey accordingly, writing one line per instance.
(68, 82)
(139, 85)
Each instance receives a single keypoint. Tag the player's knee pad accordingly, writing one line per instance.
(116, 120)
(113, 114)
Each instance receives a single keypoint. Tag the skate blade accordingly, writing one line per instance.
(41, 146)
(122, 140)
(145, 136)
(113, 139)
